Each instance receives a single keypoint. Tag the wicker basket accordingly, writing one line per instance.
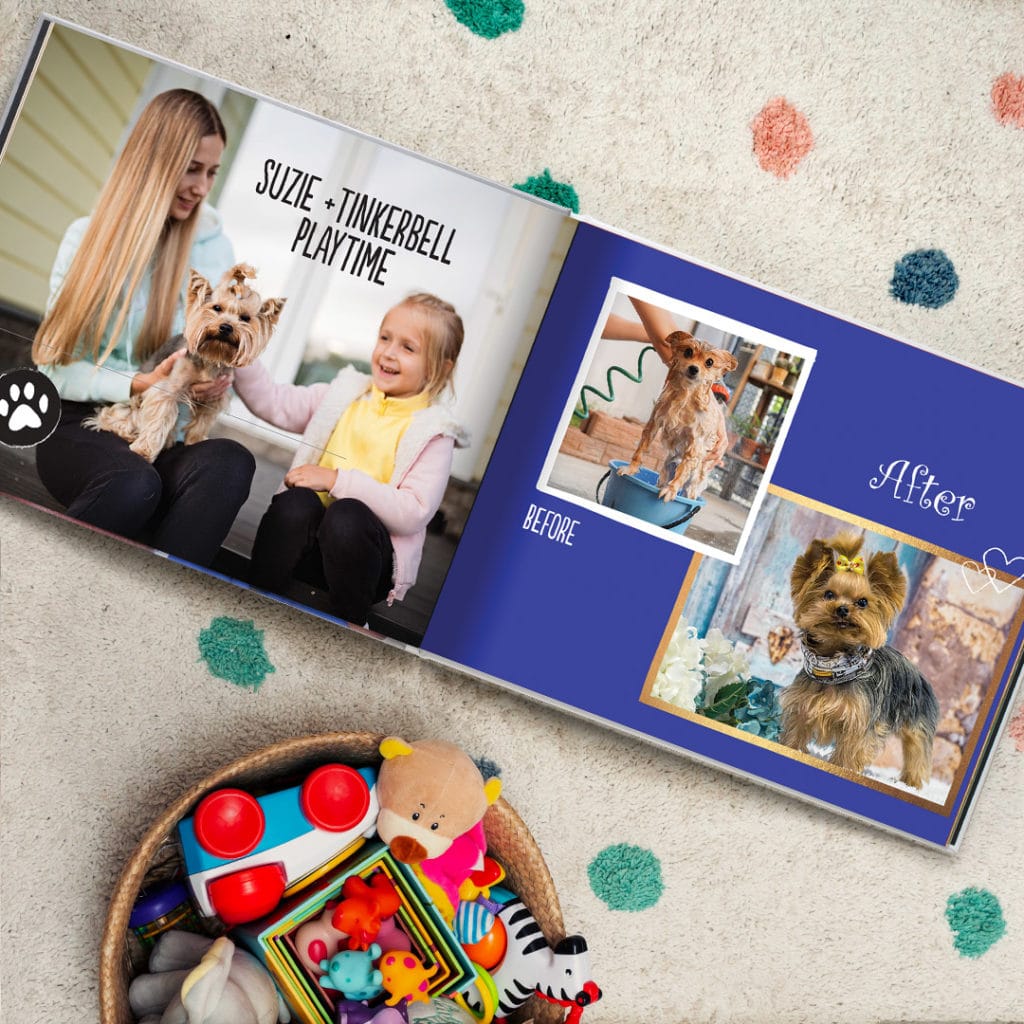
(508, 840)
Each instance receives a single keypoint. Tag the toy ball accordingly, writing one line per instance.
(472, 922)
(489, 951)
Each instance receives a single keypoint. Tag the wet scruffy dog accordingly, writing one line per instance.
(225, 328)
(687, 417)
(854, 690)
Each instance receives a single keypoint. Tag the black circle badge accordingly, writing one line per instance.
(29, 408)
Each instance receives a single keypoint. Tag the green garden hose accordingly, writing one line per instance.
(584, 411)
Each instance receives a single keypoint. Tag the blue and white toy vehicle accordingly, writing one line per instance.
(244, 853)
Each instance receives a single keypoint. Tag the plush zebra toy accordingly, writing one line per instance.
(530, 965)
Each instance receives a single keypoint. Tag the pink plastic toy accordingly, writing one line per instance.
(318, 939)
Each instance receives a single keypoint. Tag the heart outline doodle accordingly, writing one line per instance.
(991, 571)
(969, 569)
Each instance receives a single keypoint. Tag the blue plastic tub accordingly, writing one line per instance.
(637, 496)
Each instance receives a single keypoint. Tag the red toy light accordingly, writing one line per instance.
(335, 797)
(229, 823)
(247, 895)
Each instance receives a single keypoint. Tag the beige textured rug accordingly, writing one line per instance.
(772, 910)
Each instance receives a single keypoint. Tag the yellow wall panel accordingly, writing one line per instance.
(73, 121)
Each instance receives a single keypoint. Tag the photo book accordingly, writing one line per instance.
(513, 441)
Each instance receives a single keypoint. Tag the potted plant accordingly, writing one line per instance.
(746, 429)
(767, 437)
(781, 369)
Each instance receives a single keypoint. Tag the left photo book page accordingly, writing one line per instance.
(252, 340)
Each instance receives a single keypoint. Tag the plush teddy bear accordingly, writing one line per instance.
(432, 802)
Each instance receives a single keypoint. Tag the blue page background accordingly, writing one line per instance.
(580, 624)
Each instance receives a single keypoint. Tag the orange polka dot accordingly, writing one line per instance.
(1008, 100)
(782, 137)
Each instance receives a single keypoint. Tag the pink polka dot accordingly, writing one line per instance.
(317, 950)
(782, 137)
(409, 962)
(1008, 100)
(1017, 730)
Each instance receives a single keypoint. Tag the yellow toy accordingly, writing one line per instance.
(405, 977)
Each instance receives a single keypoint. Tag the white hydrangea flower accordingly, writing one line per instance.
(723, 663)
(681, 674)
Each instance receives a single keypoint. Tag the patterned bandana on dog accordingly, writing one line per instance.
(839, 668)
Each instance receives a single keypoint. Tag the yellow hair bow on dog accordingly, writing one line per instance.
(844, 564)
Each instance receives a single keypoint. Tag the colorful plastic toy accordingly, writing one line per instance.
(433, 799)
(359, 914)
(485, 998)
(351, 1011)
(561, 974)
(243, 854)
(318, 939)
(405, 977)
(351, 972)
(160, 908)
(488, 950)
(589, 994)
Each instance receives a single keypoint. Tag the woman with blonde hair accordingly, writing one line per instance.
(116, 296)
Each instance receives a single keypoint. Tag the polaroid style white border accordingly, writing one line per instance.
(618, 286)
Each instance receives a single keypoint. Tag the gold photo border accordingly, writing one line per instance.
(974, 739)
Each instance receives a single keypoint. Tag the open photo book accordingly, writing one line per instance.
(525, 445)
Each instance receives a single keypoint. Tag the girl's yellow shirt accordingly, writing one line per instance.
(366, 435)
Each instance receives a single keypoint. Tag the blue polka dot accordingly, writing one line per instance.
(488, 769)
(488, 18)
(626, 877)
(925, 277)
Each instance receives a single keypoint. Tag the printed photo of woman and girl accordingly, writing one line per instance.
(352, 448)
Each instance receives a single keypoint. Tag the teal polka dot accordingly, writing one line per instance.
(558, 192)
(976, 919)
(488, 769)
(233, 650)
(488, 18)
(926, 277)
(626, 877)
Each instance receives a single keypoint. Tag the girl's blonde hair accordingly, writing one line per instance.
(444, 333)
(131, 228)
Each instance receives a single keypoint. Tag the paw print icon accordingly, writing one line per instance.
(29, 408)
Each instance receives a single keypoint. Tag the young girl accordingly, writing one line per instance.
(116, 295)
(373, 464)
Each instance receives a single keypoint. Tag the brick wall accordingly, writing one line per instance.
(602, 438)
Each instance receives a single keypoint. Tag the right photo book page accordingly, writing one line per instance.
(753, 531)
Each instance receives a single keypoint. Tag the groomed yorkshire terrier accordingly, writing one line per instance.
(687, 417)
(854, 690)
(225, 327)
